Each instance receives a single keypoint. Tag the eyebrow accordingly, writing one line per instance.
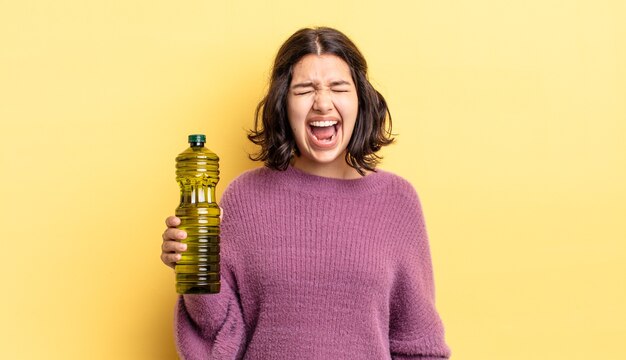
(339, 82)
(302, 85)
(307, 84)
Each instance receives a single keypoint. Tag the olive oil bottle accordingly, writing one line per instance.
(197, 174)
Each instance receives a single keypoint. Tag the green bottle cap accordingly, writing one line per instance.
(197, 138)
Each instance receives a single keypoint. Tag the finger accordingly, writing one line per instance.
(170, 259)
(171, 247)
(172, 221)
(221, 213)
(174, 234)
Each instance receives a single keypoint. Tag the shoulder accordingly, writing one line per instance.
(247, 184)
(248, 179)
(400, 199)
(398, 187)
(402, 212)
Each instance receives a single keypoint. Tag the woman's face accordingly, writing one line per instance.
(322, 106)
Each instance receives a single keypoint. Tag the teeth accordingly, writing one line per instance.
(326, 140)
(323, 123)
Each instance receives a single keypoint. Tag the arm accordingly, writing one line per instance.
(415, 328)
(210, 326)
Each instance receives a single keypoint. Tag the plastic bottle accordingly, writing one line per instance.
(197, 174)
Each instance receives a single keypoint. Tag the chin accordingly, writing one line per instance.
(326, 158)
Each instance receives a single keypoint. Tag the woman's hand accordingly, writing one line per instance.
(172, 247)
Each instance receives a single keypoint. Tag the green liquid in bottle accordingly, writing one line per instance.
(197, 174)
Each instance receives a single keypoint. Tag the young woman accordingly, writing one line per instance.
(323, 256)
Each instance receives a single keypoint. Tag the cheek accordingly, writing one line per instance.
(292, 115)
(348, 108)
(296, 108)
(297, 111)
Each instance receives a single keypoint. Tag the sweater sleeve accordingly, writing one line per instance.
(211, 327)
(415, 330)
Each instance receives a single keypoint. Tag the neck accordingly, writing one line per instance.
(337, 169)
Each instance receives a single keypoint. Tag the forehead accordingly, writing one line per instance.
(319, 68)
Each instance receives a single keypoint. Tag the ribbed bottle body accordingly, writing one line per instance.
(197, 174)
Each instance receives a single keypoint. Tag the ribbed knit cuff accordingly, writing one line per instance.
(432, 347)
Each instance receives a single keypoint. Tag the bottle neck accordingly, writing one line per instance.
(196, 144)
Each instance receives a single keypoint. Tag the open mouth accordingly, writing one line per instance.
(324, 132)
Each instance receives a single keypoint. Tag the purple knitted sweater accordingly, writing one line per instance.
(317, 268)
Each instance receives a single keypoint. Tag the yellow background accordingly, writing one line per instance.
(511, 118)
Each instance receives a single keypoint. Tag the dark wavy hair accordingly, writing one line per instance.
(272, 132)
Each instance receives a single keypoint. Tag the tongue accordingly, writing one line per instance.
(323, 133)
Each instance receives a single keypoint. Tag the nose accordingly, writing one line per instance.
(323, 101)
